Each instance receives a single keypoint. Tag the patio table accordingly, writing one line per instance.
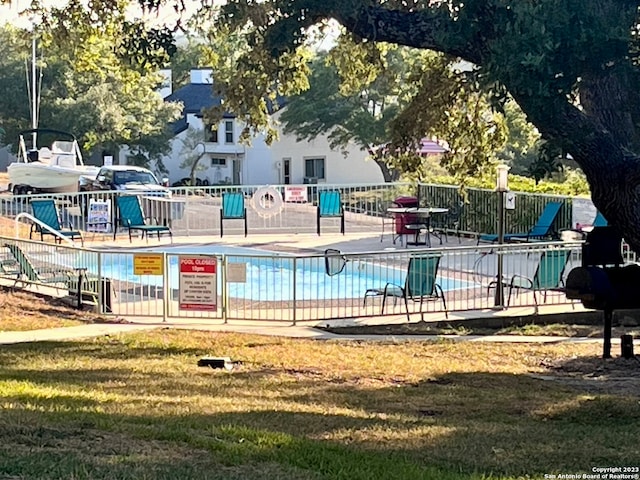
(424, 213)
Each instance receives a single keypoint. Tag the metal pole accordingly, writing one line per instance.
(499, 298)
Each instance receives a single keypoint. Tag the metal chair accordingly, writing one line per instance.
(46, 212)
(131, 217)
(420, 284)
(330, 206)
(233, 209)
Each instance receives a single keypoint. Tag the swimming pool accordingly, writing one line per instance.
(270, 276)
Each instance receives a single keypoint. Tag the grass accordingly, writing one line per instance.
(137, 406)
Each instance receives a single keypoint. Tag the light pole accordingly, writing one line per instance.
(502, 186)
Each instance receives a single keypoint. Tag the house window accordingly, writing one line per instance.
(218, 162)
(314, 167)
(228, 131)
(213, 135)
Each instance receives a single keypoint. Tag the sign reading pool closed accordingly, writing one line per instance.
(198, 283)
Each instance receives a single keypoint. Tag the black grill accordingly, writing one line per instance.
(603, 282)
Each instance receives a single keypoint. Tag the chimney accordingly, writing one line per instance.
(202, 76)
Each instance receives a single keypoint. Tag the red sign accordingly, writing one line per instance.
(198, 265)
(198, 283)
(295, 194)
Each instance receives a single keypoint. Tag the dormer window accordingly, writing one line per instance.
(228, 131)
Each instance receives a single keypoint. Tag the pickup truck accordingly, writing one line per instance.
(137, 180)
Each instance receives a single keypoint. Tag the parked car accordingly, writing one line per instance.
(125, 177)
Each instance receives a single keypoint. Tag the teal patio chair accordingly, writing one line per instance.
(131, 217)
(233, 209)
(420, 284)
(543, 229)
(548, 276)
(28, 272)
(45, 211)
(330, 206)
(600, 221)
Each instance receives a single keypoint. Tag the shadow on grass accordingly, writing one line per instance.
(309, 421)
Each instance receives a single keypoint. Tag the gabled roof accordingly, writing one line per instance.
(195, 97)
(198, 96)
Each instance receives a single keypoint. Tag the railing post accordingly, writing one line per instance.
(499, 297)
(295, 269)
(166, 296)
(225, 291)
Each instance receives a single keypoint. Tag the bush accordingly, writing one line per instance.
(571, 182)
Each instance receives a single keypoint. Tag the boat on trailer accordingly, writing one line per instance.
(57, 167)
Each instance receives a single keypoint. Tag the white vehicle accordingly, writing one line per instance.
(54, 168)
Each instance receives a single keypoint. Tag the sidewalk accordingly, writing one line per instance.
(283, 330)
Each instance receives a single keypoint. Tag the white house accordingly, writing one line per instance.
(224, 160)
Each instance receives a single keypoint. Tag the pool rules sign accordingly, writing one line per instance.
(198, 283)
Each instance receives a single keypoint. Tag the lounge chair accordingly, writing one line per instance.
(419, 285)
(547, 277)
(330, 206)
(233, 209)
(543, 229)
(46, 213)
(27, 272)
(600, 221)
(131, 217)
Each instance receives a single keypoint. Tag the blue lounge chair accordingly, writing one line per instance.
(233, 209)
(543, 228)
(419, 285)
(330, 206)
(46, 213)
(130, 216)
(600, 221)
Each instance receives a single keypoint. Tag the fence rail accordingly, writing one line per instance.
(196, 210)
(283, 287)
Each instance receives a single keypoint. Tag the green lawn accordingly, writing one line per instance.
(138, 407)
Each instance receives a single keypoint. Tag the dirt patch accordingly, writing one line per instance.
(583, 324)
(22, 311)
(614, 376)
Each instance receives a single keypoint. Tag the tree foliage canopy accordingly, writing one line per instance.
(571, 65)
(84, 89)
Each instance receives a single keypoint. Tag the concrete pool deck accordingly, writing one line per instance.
(301, 242)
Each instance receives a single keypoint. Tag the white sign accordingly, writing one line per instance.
(295, 194)
(236, 272)
(99, 216)
(510, 201)
(198, 283)
(107, 160)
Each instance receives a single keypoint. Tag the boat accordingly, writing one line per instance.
(54, 168)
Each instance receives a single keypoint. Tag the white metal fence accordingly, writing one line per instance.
(292, 288)
(196, 210)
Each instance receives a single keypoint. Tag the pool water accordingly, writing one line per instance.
(272, 276)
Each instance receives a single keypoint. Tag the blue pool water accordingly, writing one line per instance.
(270, 276)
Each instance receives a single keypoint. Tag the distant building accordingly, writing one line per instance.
(224, 160)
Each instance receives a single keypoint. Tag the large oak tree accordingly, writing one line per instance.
(571, 65)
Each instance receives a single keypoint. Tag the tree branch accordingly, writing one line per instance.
(431, 28)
